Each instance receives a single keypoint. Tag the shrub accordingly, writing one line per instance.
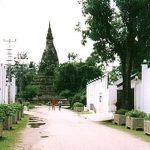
(26, 104)
(122, 111)
(16, 107)
(80, 96)
(136, 114)
(77, 104)
(147, 117)
(7, 109)
(2, 114)
(31, 106)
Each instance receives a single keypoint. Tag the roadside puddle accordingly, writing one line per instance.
(44, 136)
(35, 122)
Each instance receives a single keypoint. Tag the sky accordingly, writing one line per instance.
(27, 21)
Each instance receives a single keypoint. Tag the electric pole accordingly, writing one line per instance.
(9, 61)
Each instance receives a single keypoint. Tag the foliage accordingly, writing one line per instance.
(24, 74)
(122, 111)
(80, 96)
(114, 74)
(74, 76)
(65, 93)
(72, 57)
(71, 79)
(136, 114)
(31, 106)
(147, 117)
(77, 104)
(11, 137)
(121, 31)
(26, 103)
(9, 109)
(2, 114)
(49, 59)
(16, 107)
(30, 92)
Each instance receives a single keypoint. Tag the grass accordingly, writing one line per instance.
(138, 134)
(11, 137)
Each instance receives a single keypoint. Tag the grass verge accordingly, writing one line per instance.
(11, 137)
(138, 134)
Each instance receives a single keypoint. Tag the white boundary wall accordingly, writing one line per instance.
(4, 87)
(100, 96)
(2, 83)
(145, 88)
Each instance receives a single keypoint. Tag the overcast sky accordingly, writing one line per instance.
(27, 22)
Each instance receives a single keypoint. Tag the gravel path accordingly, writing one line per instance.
(65, 130)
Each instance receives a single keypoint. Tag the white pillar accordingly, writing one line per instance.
(144, 68)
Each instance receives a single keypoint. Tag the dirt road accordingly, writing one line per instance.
(65, 130)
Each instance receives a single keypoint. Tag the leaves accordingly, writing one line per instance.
(123, 31)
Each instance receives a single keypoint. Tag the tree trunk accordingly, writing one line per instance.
(126, 73)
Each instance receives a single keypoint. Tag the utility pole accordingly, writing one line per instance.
(9, 61)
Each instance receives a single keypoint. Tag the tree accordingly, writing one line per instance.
(122, 30)
(29, 92)
(71, 78)
(114, 74)
(49, 59)
(74, 76)
(24, 74)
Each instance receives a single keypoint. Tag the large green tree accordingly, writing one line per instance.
(71, 77)
(49, 59)
(74, 76)
(120, 28)
(24, 74)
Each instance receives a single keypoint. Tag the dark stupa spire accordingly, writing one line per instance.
(49, 59)
(49, 34)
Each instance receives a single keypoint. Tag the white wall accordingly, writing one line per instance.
(137, 95)
(100, 96)
(112, 98)
(4, 87)
(1, 85)
(142, 90)
(6, 94)
(2, 82)
(98, 88)
(145, 88)
(13, 90)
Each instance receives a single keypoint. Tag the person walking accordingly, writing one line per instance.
(49, 104)
(59, 104)
(53, 104)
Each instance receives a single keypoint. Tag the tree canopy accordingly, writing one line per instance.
(120, 28)
(71, 78)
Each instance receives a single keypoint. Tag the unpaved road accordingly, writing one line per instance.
(65, 130)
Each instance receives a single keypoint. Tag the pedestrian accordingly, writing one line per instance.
(53, 104)
(59, 104)
(49, 104)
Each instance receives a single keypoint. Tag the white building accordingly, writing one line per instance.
(142, 91)
(4, 87)
(101, 98)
